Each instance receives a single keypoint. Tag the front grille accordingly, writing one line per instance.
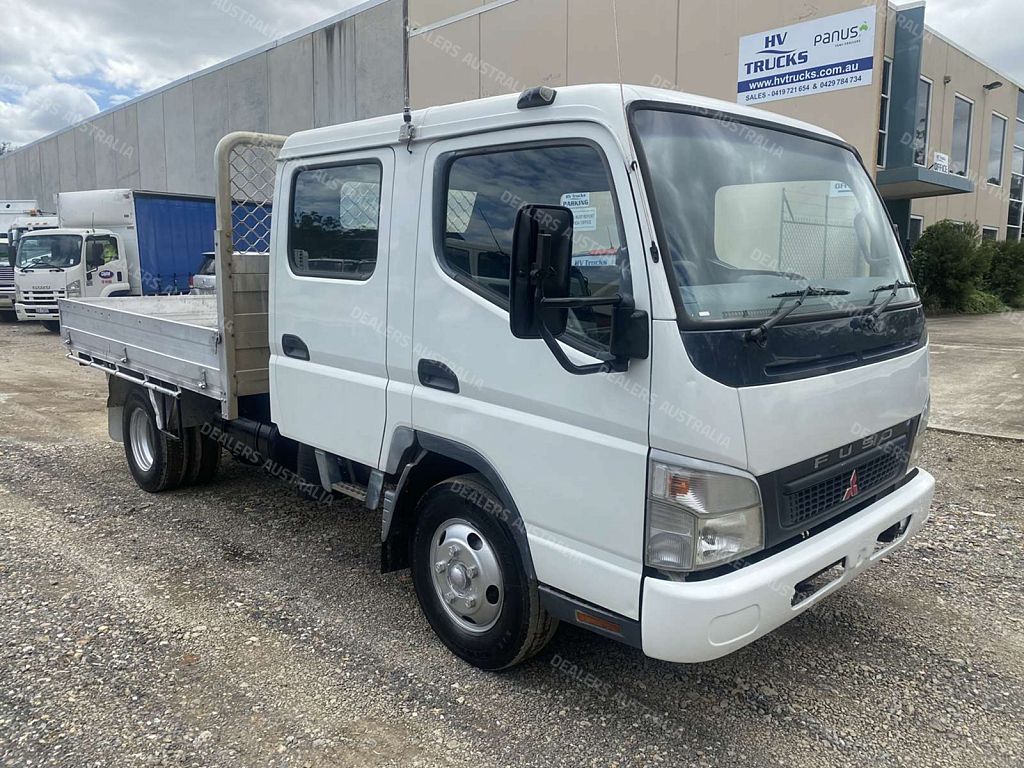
(874, 470)
(6, 275)
(41, 298)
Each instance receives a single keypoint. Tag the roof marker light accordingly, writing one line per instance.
(537, 97)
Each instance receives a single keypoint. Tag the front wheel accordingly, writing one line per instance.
(53, 326)
(470, 578)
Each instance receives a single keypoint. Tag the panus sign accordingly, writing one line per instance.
(829, 54)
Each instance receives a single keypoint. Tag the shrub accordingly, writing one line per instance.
(949, 266)
(983, 303)
(1005, 276)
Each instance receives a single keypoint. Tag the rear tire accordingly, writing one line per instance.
(470, 578)
(53, 326)
(308, 484)
(204, 455)
(157, 462)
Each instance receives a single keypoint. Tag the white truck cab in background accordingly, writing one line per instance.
(11, 211)
(632, 359)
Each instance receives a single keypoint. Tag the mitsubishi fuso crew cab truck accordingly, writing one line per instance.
(113, 242)
(626, 358)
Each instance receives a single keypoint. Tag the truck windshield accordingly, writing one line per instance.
(748, 212)
(53, 251)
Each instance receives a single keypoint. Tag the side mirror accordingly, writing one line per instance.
(541, 265)
(12, 255)
(540, 293)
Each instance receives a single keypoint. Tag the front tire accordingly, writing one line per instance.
(470, 578)
(53, 326)
(156, 461)
(8, 316)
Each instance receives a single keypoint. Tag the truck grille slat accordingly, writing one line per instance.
(873, 471)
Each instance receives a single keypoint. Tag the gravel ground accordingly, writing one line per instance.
(238, 626)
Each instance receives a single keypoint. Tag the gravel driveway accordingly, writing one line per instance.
(239, 626)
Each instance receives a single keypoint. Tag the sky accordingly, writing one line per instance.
(63, 60)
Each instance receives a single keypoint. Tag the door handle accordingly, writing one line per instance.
(437, 375)
(294, 347)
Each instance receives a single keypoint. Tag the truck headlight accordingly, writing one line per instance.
(75, 289)
(922, 426)
(698, 518)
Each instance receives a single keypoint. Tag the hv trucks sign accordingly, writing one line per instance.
(818, 56)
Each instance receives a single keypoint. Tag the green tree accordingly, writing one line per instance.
(1005, 276)
(949, 265)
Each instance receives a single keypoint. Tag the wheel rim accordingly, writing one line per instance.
(466, 576)
(140, 431)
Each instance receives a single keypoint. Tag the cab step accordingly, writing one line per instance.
(353, 491)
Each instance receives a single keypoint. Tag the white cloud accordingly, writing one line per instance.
(44, 110)
(106, 51)
(989, 29)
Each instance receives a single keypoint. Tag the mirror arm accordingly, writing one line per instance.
(609, 363)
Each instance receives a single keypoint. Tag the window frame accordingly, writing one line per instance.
(885, 100)
(914, 217)
(1002, 147)
(970, 136)
(990, 229)
(927, 120)
(1016, 226)
(293, 184)
(442, 175)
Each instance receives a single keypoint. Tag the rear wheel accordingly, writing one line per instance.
(204, 455)
(156, 461)
(308, 483)
(470, 578)
(53, 326)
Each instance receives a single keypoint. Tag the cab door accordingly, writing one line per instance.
(329, 288)
(106, 266)
(572, 450)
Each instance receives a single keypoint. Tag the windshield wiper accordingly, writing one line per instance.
(895, 288)
(760, 333)
(40, 266)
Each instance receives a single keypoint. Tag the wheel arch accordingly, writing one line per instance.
(421, 461)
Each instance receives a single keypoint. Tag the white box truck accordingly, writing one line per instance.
(10, 211)
(575, 348)
(113, 242)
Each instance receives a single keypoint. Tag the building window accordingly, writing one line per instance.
(963, 111)
(989, 233)
(1013, 220)
(335, 221)
(922, 121)
(483, 196)
(959, 225)
(996, 142)
(883, 114)
(916, 227)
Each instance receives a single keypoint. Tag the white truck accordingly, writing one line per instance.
(595, 355)
(113, 242)
(10, 211)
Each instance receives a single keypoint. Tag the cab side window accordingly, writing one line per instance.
(100, 251)
(335, 219)
(484, 192)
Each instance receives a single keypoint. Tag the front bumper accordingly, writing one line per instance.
(6, 300)
(37, 312)
(699, 621)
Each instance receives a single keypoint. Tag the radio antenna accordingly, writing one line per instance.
(408, 130)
